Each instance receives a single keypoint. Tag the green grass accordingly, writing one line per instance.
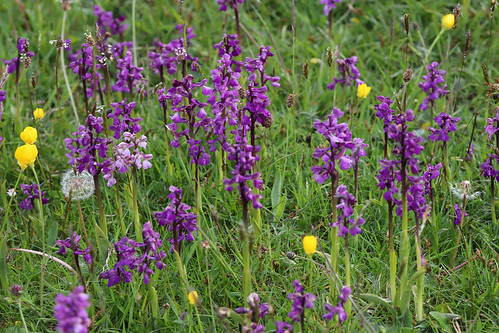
(285, 160)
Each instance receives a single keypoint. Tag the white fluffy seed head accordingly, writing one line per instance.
(464, 189)
(77, 186)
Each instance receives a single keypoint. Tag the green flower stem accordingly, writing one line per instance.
(392, 254)
(420, 280)
(168, 154)
(102, 216)
(335, 242)
(82, 221)
(404, 248)
(42, 222)
(136, 220)
(257, 218)
(493, 200)
(64, 73)
(433, 44)
(461, 223)
(221, 176)
(200, 324)
(22, 317)
(7, 211)
(446, 166)
(168, 151)
(310, 269)
(18, 99)
(348, 307)
(214, 325)
(246, 250)
(58, 92)
(153, 295)
(29, 90)
(181, 272)
(134, 36)
(120, 209)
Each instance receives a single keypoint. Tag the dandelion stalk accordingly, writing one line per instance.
(80, 213)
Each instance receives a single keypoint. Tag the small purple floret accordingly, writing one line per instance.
(71, 311)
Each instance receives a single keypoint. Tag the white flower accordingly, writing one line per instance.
(77, 186)
(11, 193)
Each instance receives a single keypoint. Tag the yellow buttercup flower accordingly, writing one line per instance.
(193, 297)
(448, 21)
(363, 90)
(29, 135)
(38, 114)
(310, 244)
(26, 155)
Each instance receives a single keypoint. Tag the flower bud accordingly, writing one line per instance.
(448, 21)
(310, 244)
(29, 135)
(193, 297)
(38, 114)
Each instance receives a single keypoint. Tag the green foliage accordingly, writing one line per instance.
(464, 296)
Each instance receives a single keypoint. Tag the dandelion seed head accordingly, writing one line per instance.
(77, 186)
(464, 189)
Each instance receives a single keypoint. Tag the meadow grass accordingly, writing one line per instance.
(459, 298)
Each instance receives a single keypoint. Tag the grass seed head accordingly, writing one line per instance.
(408, 75)
(329, 56)
(290, 101)
(406, 23)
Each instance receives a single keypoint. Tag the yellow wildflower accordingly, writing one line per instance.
(26, 155)
(363, 90)
(193, 297)
(310, 244)
(29, 135)
(38, 114)
(448, 21)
